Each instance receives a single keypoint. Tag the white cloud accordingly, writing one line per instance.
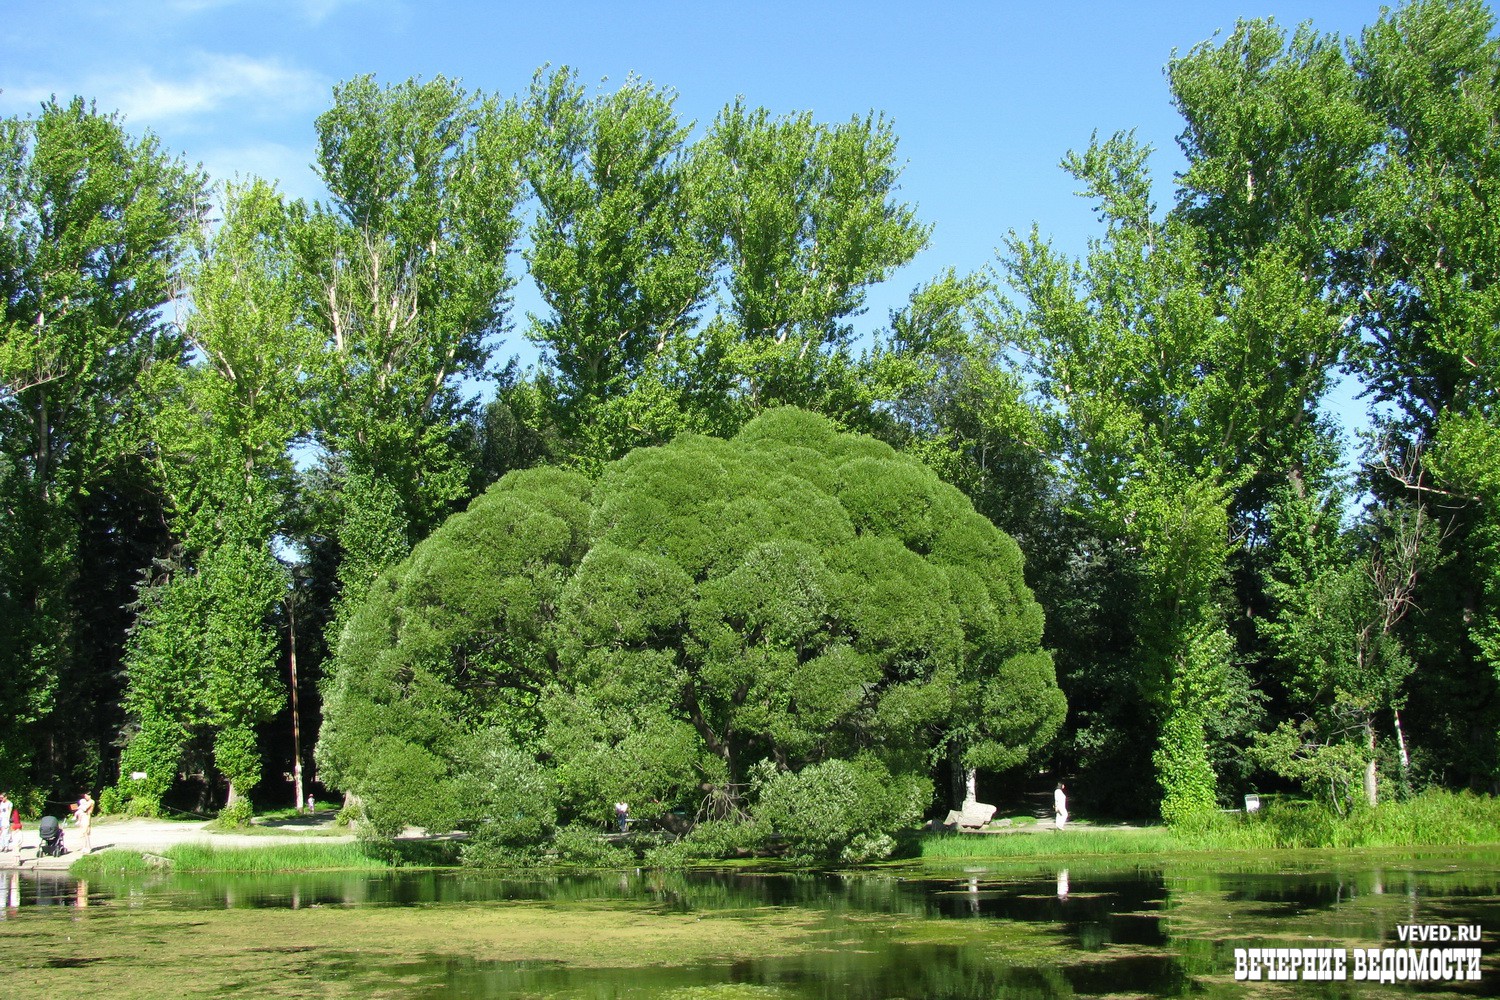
(311, 11)
(211, 84)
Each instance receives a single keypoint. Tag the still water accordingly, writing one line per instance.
(1159, 928)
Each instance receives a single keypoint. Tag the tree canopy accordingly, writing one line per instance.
(708, 613)
(216, 433)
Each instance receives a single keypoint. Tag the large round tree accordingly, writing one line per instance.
(709, 619)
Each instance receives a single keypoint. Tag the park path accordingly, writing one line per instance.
(150, 836)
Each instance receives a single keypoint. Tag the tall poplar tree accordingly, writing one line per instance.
(1371, 163)
(620, 256)
(1162, 394)
(406, 272)
(94, 228)
(1429, 306)
(807, 220)
(206, 647)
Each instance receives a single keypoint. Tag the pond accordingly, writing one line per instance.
(1166, 927)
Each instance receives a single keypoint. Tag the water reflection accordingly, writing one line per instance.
(1083, 930)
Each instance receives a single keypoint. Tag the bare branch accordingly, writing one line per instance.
(1407, 470)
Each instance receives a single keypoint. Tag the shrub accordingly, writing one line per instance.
(580, 845)
(509, 797)
(237, 814)
(484, 853)
(724, 838)
(868, 847)
(809, 593)
(350, 814)
(840, 807)
(668, 857)
(111, 802)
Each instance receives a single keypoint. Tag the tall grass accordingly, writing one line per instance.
(1048, 843)
(1430, 819)
(206, 857)
(1433, 818)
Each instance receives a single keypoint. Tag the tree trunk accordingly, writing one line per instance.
(1401, 742)
(957, 778)
(1371, 788)
(291, 611)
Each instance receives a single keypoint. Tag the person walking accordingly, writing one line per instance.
(1060, 805)
(6, 808)
(83, 815)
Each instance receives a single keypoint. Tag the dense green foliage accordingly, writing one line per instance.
(203, 654)
(1181, 372)
(797, 621)
(95, 226)
(223, 442)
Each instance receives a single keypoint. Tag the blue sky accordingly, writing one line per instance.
(986, 97)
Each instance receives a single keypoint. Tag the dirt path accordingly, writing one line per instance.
(154, 836)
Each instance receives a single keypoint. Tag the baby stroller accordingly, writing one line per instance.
(51, 843)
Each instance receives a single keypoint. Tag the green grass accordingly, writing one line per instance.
(262, 830)
(211, 858)
(1431, 819)
(1049, 843)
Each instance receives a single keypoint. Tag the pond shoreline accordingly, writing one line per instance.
(150, 836)
(1053, 930)
(154, 837)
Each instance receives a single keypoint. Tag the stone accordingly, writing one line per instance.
(972, 816)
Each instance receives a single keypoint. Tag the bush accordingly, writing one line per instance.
(484, 853)
(405, 784)
(580, 845)
(868, 847)
(809, 593)
(111, 802)
(511, 798)
(840, 809)
(668, 857)
(351, 814)
(413, 853)
(723, 838)
(238, 814)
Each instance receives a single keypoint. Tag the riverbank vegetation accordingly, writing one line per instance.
(730, 549)
(796, 620)
(1432, 818)
(207, 857)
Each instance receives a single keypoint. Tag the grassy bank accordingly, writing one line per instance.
(1046, 842)
(1431, 819)
(199, 857)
